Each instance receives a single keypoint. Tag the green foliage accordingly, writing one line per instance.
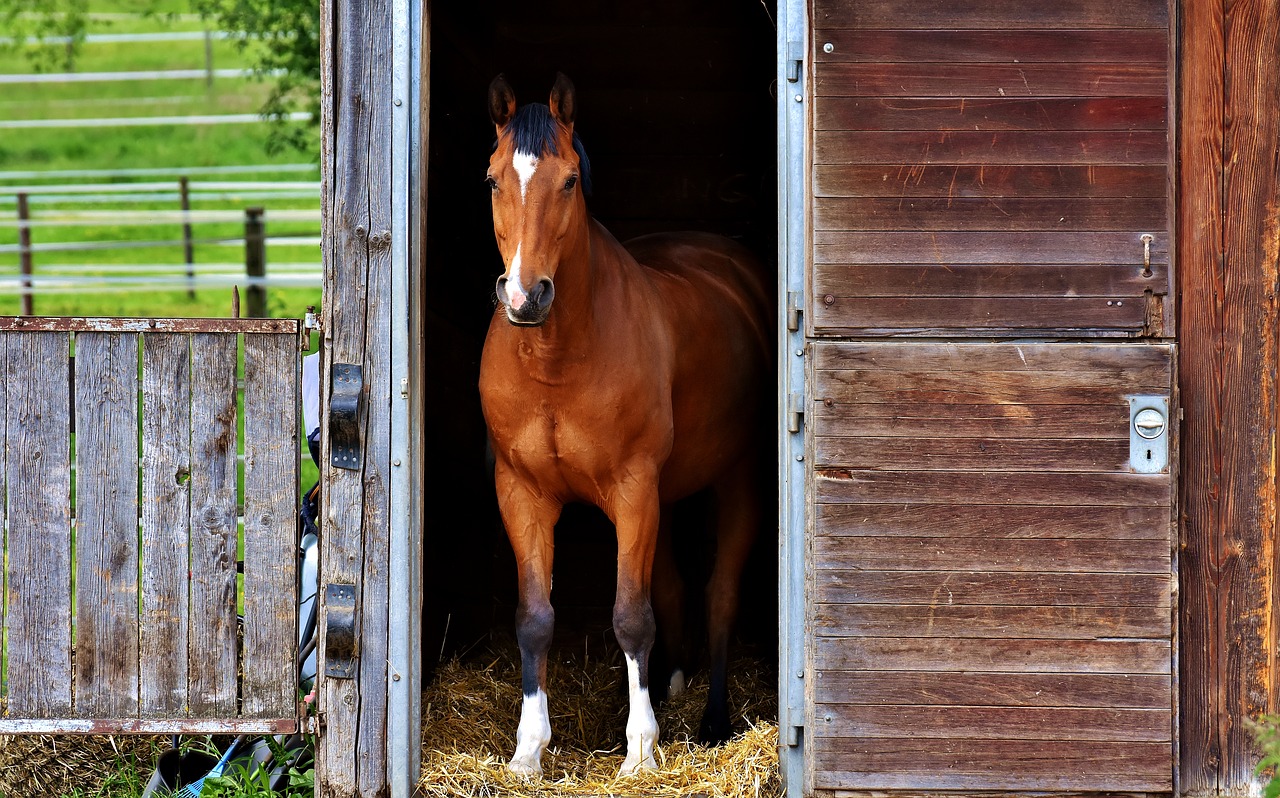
(282, 41)
(238, 782)
(58, 26)
(1266, 732)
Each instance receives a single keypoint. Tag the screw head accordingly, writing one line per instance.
(828, 48)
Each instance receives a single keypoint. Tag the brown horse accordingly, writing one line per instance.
(624, 377)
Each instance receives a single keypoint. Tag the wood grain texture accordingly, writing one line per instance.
(1042, 555)
(1117, 365)
(998, 14)
(1005, 622)
(1115, 524)
(271, 379)
(990, 113)
(1230, 188)
(890, 688)
(923, 79)
(968, 454)
(962, 420)
(166, 522)
(980, 148)
(1005, 656)
(997, 588)
(984, 279)
(981, 213)
(1004, 46)
(107, 624)
(988, 180)
(213, 666)
(1101, 724)
(945, 487)
(38, 468)
(915, 764)
(974, 387)
(943, 317)
(945, 247)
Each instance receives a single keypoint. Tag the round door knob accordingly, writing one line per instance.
(1149, 423)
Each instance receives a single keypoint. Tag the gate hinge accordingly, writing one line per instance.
(795, 306)
(795, 61)
(795, 735)
(344, 415)
(795, 412)
(342, 637)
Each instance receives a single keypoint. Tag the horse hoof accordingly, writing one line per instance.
(525, 768)
(714, 729)
(630, 768)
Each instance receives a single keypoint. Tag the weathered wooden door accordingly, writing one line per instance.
(988, 542)
(127, 512)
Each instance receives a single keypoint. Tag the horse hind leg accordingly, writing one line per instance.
(737, 522)
(668, 660)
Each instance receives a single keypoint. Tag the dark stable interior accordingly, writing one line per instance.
(676, 112)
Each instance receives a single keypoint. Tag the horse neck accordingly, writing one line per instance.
(571, 329)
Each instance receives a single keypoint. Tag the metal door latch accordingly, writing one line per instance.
(344, 416)
(340, 639)
(1148, 434)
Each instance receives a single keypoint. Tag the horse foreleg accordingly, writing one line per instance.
(530, 520)
(635, 515)
(738, 517)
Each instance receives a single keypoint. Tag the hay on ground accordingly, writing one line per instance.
(471, 710)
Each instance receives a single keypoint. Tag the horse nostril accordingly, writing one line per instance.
(501, 287)
(543, 292)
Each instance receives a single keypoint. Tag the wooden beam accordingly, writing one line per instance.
(1227, 267)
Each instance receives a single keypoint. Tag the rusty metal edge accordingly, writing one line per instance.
(149, 726)
(112, 324)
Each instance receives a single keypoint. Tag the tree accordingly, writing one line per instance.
(58, 26)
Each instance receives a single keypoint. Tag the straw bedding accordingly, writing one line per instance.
(44, 766)
(470, 713)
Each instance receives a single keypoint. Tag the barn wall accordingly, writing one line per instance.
(1227, 269)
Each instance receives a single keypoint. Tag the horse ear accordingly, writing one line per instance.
(502, 102)
(563, 105)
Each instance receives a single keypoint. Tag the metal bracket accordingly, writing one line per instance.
(341, 645)
(1149, 434)
(795, 306)
(344, 416)
(795, 61)
(795, 412)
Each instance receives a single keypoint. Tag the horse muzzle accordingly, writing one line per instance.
(527, 309)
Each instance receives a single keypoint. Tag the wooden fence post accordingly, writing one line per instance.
(255, 262)
(24, 251)
(188, 249)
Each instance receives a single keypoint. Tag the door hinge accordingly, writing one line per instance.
(344, 415)
(795, 61)
(795, 306)
(795, 735)
(795, 412)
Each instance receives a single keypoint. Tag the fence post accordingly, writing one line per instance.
(188, 250)
(255, 262)
(208, 60)
(24, 252)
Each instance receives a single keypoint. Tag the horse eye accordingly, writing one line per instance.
(571, 182)
(493, 184)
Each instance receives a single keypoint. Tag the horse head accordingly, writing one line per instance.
(537, 175)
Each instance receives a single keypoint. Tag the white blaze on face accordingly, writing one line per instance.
(515, 293)
(642, 726)
(525, 165)
(532, 735)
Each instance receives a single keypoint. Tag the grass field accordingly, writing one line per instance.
(87, 278)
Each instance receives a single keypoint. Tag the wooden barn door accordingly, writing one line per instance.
(987, 416)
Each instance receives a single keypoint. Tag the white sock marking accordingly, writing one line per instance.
(525, 165)
(676, 686)
(642, 726)
(532, 735)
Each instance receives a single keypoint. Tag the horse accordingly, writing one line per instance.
(627, 377)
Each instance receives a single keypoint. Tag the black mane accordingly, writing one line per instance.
(534, 130)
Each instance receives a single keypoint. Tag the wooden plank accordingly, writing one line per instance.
(1006, 46)
(983, 213)
(1065, 147)
(938, 316)
(1041, 555)
(38, 468)
(978, 386)
(1000, 14)
(883, 688)
(973, 454)
(990, 113)
(946, 247)
(166, 521)
(1000, 589)
(985, 279)
(919, 79)
(271, 379)
(1012, 656)
(948, 621)
(1100, 724)
(1115, 364)
(834, 486)
(1115, 524)
(212, 665)
(949, 765)
(1074, 422)
(107, 625)
(989, 180)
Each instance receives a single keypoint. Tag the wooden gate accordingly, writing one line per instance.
(126, 516)
(987, 595)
